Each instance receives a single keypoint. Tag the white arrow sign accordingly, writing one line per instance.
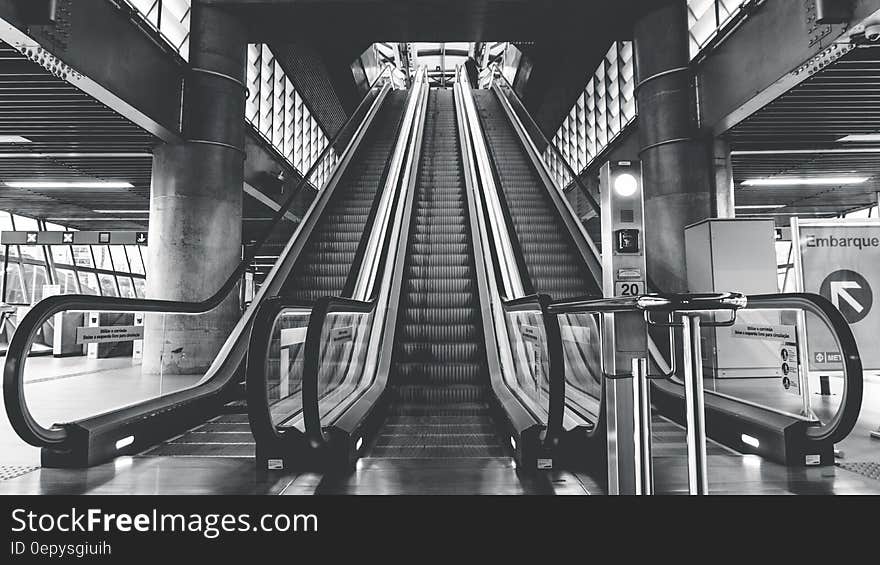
(840, 289)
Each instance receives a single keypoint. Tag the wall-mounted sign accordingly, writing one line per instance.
(73, 238)
(840, 259)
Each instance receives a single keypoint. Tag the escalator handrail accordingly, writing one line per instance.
(678, 302)
(839, 427)
(847, 414)
(556, 367)
(18, 412)
(360, 253)
(555, 360)
(479, 148)
(504, 208)
(312, 355)
(267, 314)
(259, 415)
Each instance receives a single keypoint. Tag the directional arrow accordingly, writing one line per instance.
(840, 289)
(850, 292)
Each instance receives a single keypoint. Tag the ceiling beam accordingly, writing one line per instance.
(740, 76)
(95, 55)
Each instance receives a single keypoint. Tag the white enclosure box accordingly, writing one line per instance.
(730, 255)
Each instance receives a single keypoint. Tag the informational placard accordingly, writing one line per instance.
(754, 347)
(791, 376)
(840, 259)
(108, 334)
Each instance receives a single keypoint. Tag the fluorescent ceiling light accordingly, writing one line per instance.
(97, 219)
(64, 184)
(806, 151)
(760, 206)
(13, 139)
(791, 213)
(797, 181)
(122, 211)
(63, 155)
(863, 137)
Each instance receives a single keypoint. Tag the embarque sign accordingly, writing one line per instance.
(840, 259)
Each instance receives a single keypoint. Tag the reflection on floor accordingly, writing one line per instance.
(217, 457)
(69, 388)
(858, 446)
(234, 472)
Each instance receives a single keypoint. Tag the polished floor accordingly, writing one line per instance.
(221, 472)
(858, 446)
(69, 388)
(217, 457)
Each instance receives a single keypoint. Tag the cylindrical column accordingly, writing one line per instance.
(677, 181)
(725, 201)
(195, 200)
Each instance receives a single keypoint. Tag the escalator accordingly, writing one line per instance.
(407, 368)
(559, 259)
(439, 378)
(319, 259)
(324, 267)
(448, 357)
(550, 261)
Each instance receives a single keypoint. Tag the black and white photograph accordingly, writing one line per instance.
(488, 250)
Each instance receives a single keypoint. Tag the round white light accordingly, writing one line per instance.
(626, 185)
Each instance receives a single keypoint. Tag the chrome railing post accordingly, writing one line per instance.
(642, 427)
(804, 365)
(698, 482)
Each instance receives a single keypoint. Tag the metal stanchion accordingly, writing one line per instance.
(642, 427)
(698, 482)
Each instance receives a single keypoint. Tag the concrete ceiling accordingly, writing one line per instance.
(370, 21)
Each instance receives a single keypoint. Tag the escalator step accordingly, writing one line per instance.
(439, 372)
(439, 333)
(553, 262)
(326, 260)
(427, 352)
(441, 394)
(453, 451)
(434, 372)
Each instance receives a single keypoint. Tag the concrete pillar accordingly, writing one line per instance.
(725, 201)
(677, 178)
(196, 200)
